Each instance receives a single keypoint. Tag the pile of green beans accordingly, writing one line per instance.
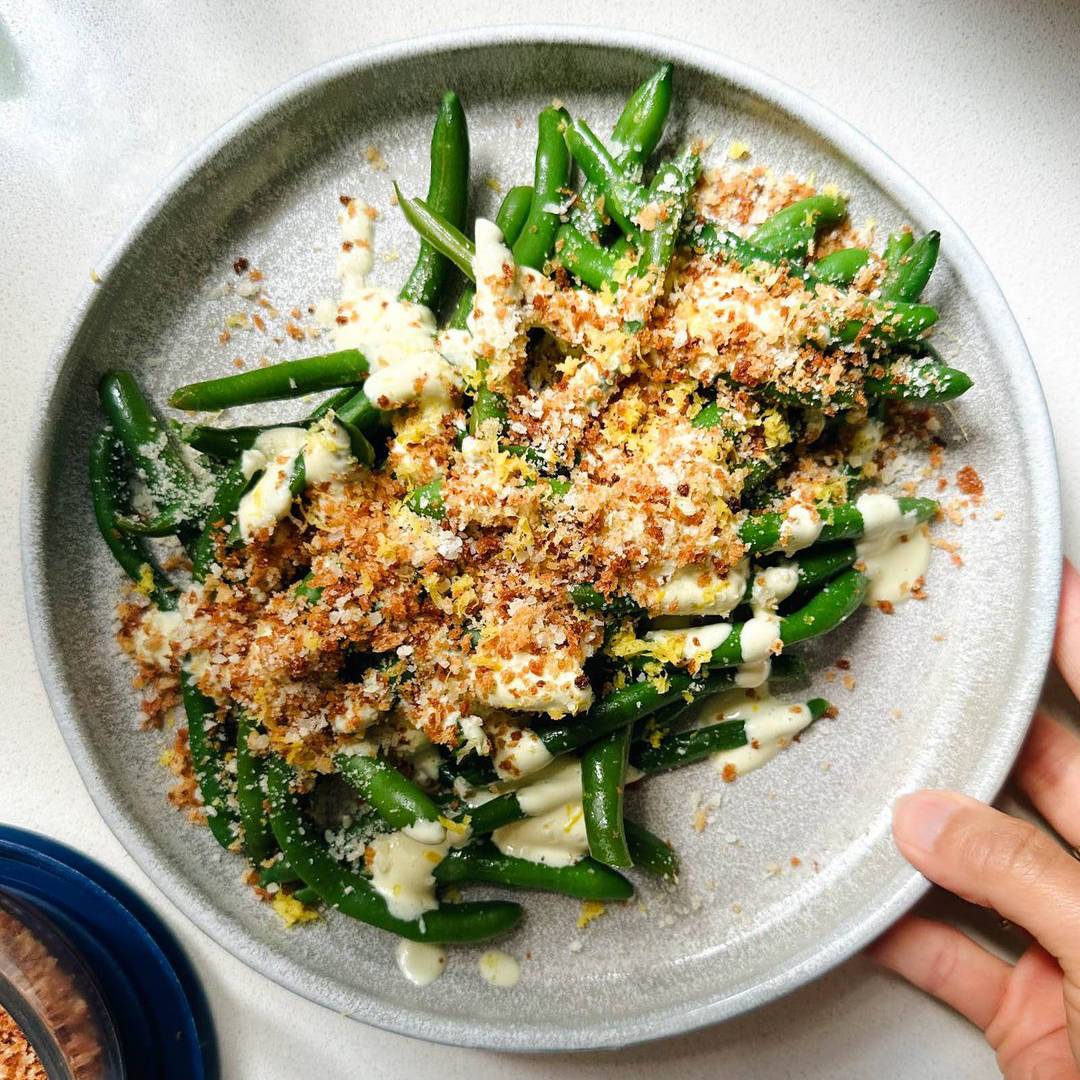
(630, 219)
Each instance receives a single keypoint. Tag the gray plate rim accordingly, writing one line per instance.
(984, 784)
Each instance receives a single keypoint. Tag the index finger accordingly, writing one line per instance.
(997, 861)
(1067, 637)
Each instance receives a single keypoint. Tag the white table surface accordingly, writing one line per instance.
(979, 100)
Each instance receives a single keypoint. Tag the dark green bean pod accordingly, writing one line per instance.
(763, 532)
(208, 763)
(154, 453)
(259, 842)
(427, 500)
(637, 133)
(440, 233)
(586, 879)
(670, 189)
(823, 612)
(625, 706)
(219, 520)
(348, 403)
(640, 127)
(448, 195)
(107, 490)
(493, 814)
(603, 781)
(289, 379)
(688, 747)
(623, 197)
(611, 606)
(354, 895)
(817, 565)
(896, 245)
(650, 853)
(789, 233)
(926, 378)
(550, 179)
(841, 267)
(590, 263)
(399, 802)
(511, 218)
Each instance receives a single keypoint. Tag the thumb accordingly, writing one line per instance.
(999, 862)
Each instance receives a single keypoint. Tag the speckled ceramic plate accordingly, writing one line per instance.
(795, 870)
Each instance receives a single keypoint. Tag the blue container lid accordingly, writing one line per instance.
(149, 988)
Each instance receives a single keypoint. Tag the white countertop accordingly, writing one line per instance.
(978, 100)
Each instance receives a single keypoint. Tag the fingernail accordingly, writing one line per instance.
(919, 819)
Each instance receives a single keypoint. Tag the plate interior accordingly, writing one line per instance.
(795, 867)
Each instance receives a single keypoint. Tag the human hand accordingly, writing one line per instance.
(1030, 1012)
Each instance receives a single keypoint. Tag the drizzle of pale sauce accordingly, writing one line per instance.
(770, 726)
(420, 962)
(519, 757)
(698, 590)
(894, 551)
(402, 870)
(499, 968)
(801, 527)
(556, 837)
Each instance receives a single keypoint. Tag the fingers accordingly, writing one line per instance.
(997, 861)
(1067, 638)
(947, 964)
(1049, 774)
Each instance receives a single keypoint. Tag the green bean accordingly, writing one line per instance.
(894, 323)
(650, 853)
(307, 896)
(817, 565)
(907, 276)
(228, 443)
(639, 128)
(841, 267)
(610, 605)
(154, 453)
(925, 378)
(603, 780)
(551, 176)
(623, 198)
(586, 879)
(448, 195)
(896, 245)
(208, 763)
(710, 416)
(789, 233)
(259, 843)
(279, 872)
(494, 814)
(219, 519)
(670, 187)
(306, 591)
(427, 500)
(637, 133)
(487, 405)
(107, 492)
(513, 212)
(823, 612)
(399, 802)
(588, 262)
(440, 233)
(688, 747)
(354, 895)
(289, 379)
(706, 238)
(763, 532)
(624, 706)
